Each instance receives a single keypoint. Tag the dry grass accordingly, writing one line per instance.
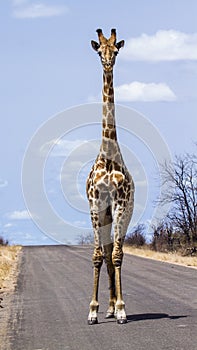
(8, 266)
(9, 258)
(173, 258)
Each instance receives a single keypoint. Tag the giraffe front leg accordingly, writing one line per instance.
(120, 312)
(117, 257)
(112, 297)
(94, 305)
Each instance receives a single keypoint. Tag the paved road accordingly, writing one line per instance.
(50, 306)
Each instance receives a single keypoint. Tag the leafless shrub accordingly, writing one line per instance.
(3, 241)
(137, 237)
(85, 239)
(181, 178)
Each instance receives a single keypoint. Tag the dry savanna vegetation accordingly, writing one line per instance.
(164, 246)
(170, 257)
(174, 238)
(9, 256)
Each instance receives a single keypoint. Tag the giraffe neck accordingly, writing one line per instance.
(109, 135)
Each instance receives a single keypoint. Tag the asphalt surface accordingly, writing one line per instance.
(50, 306)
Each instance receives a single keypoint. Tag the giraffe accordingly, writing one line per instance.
(110, 191)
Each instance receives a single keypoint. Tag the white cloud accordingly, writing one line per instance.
(64, 147)
(25, 9)
(147, 92)
(164, 45)
(139, 91)
(3, 183)
(19, 215)
(8, 225)
(60, 148)
(79, 223)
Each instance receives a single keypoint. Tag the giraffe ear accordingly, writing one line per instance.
(95, 45)
(120, 44)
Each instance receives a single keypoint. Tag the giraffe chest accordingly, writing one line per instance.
(107, 173)
(107, 179)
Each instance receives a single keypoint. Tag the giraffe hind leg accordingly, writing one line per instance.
(111, 274)
(121, 222)
(98, 221)
(108, 248)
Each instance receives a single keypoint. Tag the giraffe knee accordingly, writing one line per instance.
(97, 258)
(117, 255)
(117, 260)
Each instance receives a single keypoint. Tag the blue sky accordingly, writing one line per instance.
(50, 81)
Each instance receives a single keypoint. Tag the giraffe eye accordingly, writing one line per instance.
(99, 53)
(115, 53)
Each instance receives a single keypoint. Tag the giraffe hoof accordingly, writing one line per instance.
(122, 321)
(93, 320)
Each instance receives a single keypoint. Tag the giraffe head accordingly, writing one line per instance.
(107, 49)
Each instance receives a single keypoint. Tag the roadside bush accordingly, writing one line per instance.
(137, 237)
(167, 239)
(85, 239)
(3, 241)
